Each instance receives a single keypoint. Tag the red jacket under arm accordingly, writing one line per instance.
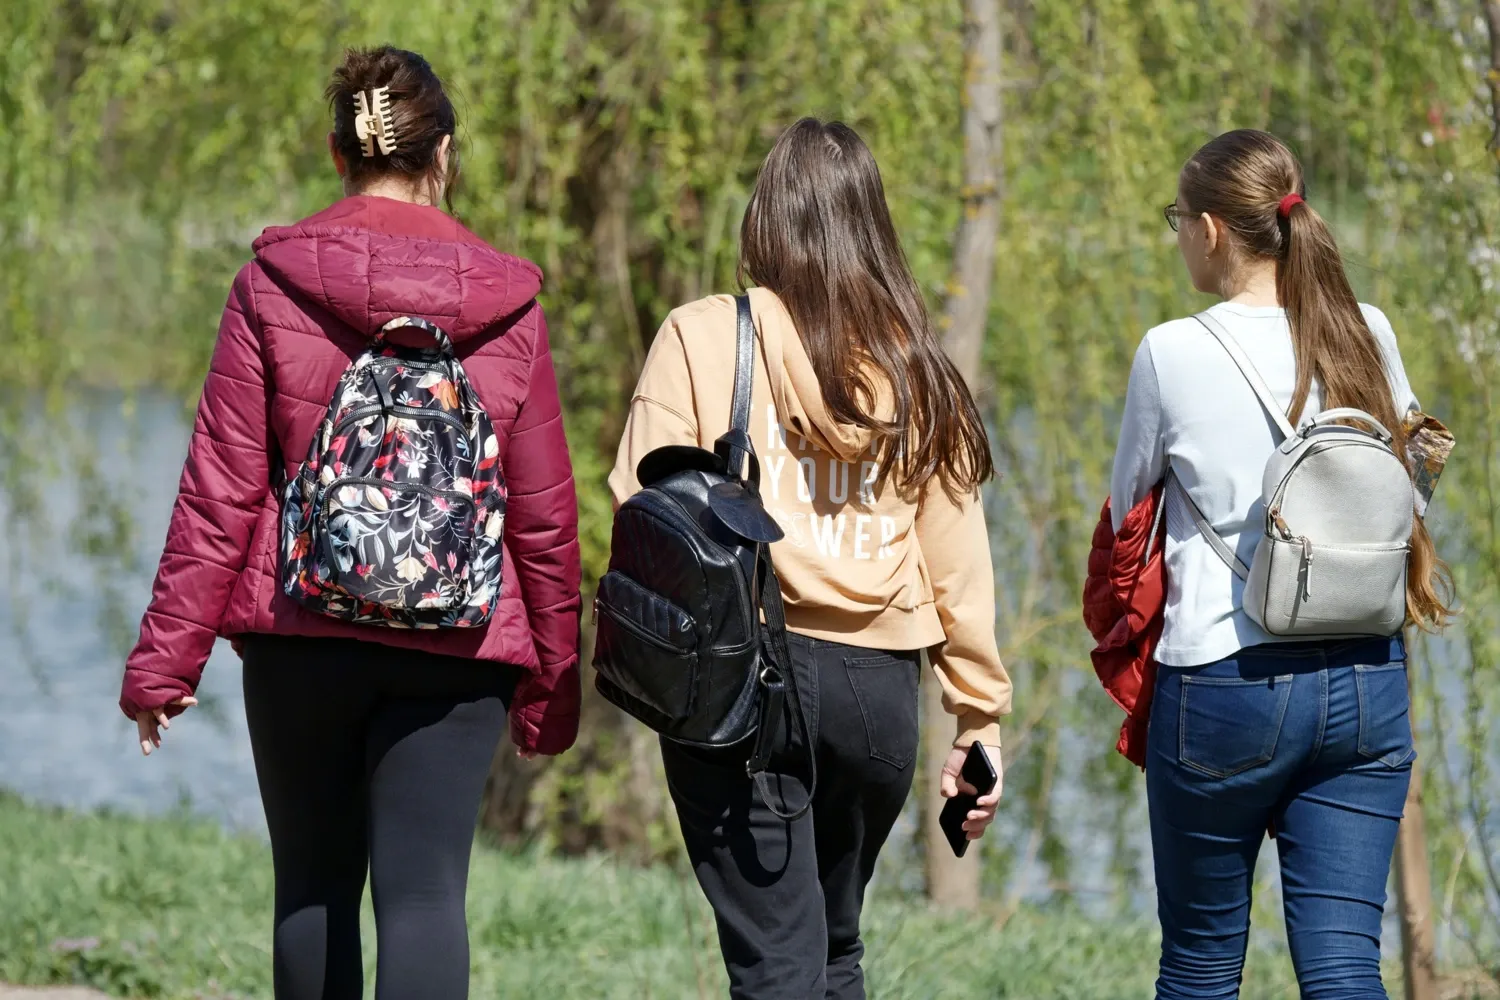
(1123, 600)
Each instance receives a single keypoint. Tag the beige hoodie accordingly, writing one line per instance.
(857, 566)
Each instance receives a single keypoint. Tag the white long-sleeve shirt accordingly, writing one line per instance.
(1189, 408)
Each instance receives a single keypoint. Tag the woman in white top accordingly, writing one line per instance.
(1309, 739)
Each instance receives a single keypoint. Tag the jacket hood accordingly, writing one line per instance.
(368, 260)
(795, 386)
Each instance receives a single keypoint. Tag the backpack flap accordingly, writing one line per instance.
(668, 460)
(738, 507)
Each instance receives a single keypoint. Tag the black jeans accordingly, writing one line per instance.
(787, 896)
(370, 757)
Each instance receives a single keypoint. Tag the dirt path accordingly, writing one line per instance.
(48, 993)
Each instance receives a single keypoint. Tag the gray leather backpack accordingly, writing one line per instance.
(1339, 512)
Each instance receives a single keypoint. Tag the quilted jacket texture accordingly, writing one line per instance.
(1123, 600)
(297, 315)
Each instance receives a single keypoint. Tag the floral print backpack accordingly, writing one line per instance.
(396, 516)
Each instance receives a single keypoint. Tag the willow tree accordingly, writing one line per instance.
(614, 142)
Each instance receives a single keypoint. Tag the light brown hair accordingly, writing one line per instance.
(1240, 178)
(420, 110)
(818, 233)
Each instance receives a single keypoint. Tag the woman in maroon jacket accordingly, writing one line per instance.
(371, 744)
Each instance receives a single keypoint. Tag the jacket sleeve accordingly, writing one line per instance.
(956, 548)
(224, 481)
(541, 535)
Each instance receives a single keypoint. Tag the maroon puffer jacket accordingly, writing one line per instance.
(297, 315)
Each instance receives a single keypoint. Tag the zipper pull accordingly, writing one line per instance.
(1280, 523)
(1307, 557)
(387, 404)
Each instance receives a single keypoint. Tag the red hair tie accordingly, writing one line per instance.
(1285, 208)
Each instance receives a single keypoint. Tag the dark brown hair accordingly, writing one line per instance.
(420, 110)
(1240, 179)
(818, 233)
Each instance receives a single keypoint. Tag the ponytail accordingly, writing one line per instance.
(1253, 183)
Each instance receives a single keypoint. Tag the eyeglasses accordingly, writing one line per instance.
(1172, 214)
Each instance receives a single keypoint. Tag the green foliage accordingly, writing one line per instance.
(175, 908)
(614, 142)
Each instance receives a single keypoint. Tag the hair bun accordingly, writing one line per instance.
(390, 114)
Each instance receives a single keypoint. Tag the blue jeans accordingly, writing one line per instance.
(1313, 741)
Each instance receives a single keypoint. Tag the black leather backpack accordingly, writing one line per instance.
(691, 630)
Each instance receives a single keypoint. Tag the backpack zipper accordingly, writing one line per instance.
(389, 484)
(382, 361)
(646, 636)
(1307, 557)
(1279, 523)
(1281, 487)
(410, 412)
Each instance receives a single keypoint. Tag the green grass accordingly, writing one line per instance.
(173, 907)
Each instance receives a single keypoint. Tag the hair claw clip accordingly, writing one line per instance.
(373, 122)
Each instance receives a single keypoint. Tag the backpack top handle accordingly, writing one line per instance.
(1373, 427)
(439, 336)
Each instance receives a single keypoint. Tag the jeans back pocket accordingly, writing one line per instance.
(885, 687)
(1230, 724)
(1384, 714)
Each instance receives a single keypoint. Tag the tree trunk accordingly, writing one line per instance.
(968, 301)
(954, 882)
(1414, 899)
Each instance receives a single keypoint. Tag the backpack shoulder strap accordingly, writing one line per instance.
(1268, 402)
(735, 447)
(778, 672)
(1213, 538)
(778, 678)
(744, 365)
(1247, 369)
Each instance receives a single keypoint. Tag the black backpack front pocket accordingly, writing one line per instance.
(647, 646)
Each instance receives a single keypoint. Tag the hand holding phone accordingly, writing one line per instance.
(970, 783)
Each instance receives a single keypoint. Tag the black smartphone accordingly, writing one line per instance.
(979, 772)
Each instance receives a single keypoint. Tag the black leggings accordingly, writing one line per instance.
(372, 758)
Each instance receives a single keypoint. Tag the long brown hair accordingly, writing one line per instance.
(818, 233)
(1240, 178)
(420, 110)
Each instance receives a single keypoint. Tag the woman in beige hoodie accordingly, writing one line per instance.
(872, 452)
